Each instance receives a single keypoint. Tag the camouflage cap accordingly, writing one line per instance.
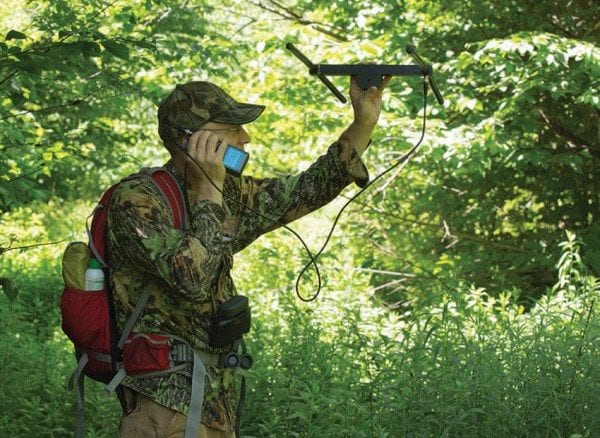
(193, 104)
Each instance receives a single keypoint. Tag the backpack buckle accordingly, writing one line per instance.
(181, 352)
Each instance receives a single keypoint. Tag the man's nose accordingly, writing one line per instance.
(244, 137)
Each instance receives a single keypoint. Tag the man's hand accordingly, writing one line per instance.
(366, 103)
(207, 149)
(367, 107)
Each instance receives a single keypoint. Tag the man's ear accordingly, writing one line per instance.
(172, 147)
(169, 134)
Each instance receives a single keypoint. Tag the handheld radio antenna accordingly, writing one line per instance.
(367, 75)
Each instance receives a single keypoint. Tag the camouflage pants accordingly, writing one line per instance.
(152, 420)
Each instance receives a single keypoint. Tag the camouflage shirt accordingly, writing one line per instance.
(188, 271)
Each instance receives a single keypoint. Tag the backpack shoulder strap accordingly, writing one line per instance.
(166, 184)
(96, 232)
(172, 192)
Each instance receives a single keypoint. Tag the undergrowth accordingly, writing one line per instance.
(468, 364)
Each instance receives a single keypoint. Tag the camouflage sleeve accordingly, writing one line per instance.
(140, 226)
(282, 200)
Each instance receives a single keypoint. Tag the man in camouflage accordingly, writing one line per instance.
(188, 270)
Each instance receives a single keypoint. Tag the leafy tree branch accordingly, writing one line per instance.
(22, 247)
(7, 78)
(289, 14)
(33, 172)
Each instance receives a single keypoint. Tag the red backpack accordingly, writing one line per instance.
(88, 319)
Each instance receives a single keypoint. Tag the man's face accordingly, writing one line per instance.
(235, 135)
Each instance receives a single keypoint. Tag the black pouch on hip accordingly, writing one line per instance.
(231, 322)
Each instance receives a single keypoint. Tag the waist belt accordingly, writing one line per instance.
(183, 353)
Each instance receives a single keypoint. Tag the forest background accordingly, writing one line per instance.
(460, 293)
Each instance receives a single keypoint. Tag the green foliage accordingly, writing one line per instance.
(9, 288)
(36, 362)
(509, 165)
(441, 312)
(513, 163)
(75, 94)
(471, 365)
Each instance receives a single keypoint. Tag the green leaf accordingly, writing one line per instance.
(89, 49)
(144, 44)
(28, 64)
(15, 35)
(71, 50)
(119, 50)
(65, 33)
(9, 288)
